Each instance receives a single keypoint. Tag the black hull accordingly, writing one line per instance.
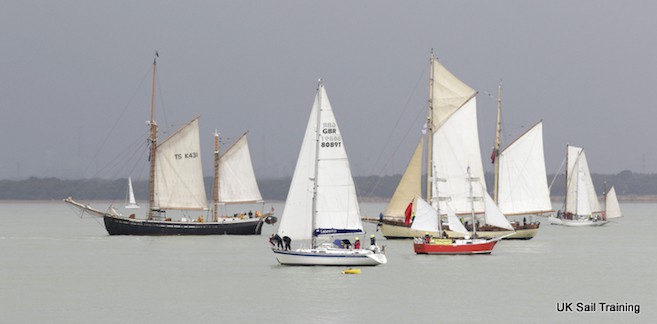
(127, 226)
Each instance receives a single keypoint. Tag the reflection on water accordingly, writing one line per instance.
(58, 267)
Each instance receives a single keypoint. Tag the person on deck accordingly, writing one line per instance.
(357, 244)
(372, 240)
(279, 241)
(427, 238)
(287, 240)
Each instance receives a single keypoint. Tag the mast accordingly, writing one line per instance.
(430, 126)
(317, 145)
(496, 149)
(153, 142)
(215, 191)
(472, 200)
(565, 198)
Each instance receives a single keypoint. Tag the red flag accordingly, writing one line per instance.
(407, 213)
(492, 156)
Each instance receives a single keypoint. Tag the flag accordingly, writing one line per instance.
(492, 156)
(407, 213)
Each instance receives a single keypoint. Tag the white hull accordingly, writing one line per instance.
(329, 257)
(576, 222)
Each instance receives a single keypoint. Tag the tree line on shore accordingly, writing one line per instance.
(628, 185)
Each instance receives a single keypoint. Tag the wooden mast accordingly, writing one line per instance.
(216, 176)
(430, 127)
(496, 149)
(153, 143)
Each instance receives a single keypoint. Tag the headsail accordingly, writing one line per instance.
(493, 215)
(426, 217)
(523, 187)
(178, 174)
(237, 182)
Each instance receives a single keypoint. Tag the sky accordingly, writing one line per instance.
(75, 78)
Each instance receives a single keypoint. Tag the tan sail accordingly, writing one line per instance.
(409, 186)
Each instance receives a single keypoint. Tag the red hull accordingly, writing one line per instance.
(485, 247)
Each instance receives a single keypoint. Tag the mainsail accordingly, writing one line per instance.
(322, 176)
(237, 182)
(523, 187)
(581, 198)
(178, 174)
(455, 150)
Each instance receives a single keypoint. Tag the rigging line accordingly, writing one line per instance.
(402, 113)
(406, 108)
(116, 122)
(408, 130)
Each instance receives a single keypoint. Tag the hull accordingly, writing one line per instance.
(393, 231)
(455, 247)
(128, 226)
(329, 257)
(576, 222)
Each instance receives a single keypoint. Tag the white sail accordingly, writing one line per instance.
(237, 182)
(178, 175)
(493, 215)
(455, 149)
(337, 209)
(450, 93)
(581, 198)
(409, 186)
(426, 217)
(454, 223)
(612, 208)
(132, 203)
(523, 187)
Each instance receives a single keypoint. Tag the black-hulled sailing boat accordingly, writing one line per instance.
(176, 183)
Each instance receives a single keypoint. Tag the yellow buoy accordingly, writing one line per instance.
(351, 271)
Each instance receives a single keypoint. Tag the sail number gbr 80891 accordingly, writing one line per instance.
(329, 136)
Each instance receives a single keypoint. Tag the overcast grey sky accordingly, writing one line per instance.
(75, 78)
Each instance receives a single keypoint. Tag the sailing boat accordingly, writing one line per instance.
(612, 208)
(427, 218)
(132, 203)
(452, 148)
(176, 183)
(581, 207)
(322, 199)
(520, 185)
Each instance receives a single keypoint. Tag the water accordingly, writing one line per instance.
(56, 267)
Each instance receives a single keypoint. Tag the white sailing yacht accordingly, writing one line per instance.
(581, 206)
(132, 203)
(322, 198)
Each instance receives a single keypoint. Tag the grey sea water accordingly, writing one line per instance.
(56, 267)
